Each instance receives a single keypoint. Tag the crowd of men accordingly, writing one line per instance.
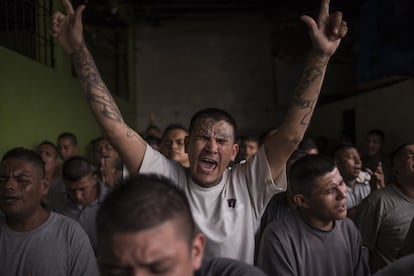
(196, 206)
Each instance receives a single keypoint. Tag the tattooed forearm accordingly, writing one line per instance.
(304, 104)
(309, 76)
(109, 108)
(85, 66)
(96, 90)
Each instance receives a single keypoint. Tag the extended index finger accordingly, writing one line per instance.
(68, 6)
(323, 10)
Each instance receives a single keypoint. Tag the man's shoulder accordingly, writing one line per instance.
(285, 226)
(386, 196)
(64, 223)
(225, 266)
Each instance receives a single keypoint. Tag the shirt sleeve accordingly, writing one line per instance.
(275, 257)
(257, 176)
(155, 162)
(368, 222)
(83, 261)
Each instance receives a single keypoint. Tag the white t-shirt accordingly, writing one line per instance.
(228, 213)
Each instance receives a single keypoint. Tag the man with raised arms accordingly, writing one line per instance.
(226, 204)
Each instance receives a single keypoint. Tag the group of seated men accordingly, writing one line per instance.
(203, 218)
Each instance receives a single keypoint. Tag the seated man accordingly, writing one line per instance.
(67, 144)
(107, 161)
(34, 241)
(358, 182)
(374, 154)
(316, 239)
(50, 157)
(83, 196)
(384, 217)
(173, 144)
(226, 204)
(145, 227)
(248, 147)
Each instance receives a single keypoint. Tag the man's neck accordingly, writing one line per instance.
(317, 223)
(27, 223)
(350, 182)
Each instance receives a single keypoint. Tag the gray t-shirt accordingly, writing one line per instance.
(58, 247)
(290, 246)
(227, 267)
(85, 215)
(384, 219)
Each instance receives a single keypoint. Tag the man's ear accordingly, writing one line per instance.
(186, 144)
(44, 186)
(300, 200)
(197, 250)
(235, 151)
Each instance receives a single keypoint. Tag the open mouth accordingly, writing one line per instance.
(207, 165)
(9, 199)
(341, 207)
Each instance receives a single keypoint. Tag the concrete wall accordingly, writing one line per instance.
(187, 65)
(389, 108)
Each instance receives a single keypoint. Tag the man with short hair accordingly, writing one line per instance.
(375, 155)
(108, 162)
(226, 204)
(34, 241)
(358, 182)
(67, 144)
(384, 217)
(145, 227)
(84, 194)
(248, 148)
(316, 239)
(50, 157)
(173, 144)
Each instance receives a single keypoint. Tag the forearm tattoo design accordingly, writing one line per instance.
(96, 91)
(310, 75)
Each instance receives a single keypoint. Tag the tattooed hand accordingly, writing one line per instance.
(326, 33)
(68, 29)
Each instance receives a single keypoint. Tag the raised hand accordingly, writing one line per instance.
(326, 33)
(377, 177)
(68, 29)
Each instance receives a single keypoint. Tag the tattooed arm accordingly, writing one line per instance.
(67, 29)
(326, 34)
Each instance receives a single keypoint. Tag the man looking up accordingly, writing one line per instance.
(226, 204)
(359, 183)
